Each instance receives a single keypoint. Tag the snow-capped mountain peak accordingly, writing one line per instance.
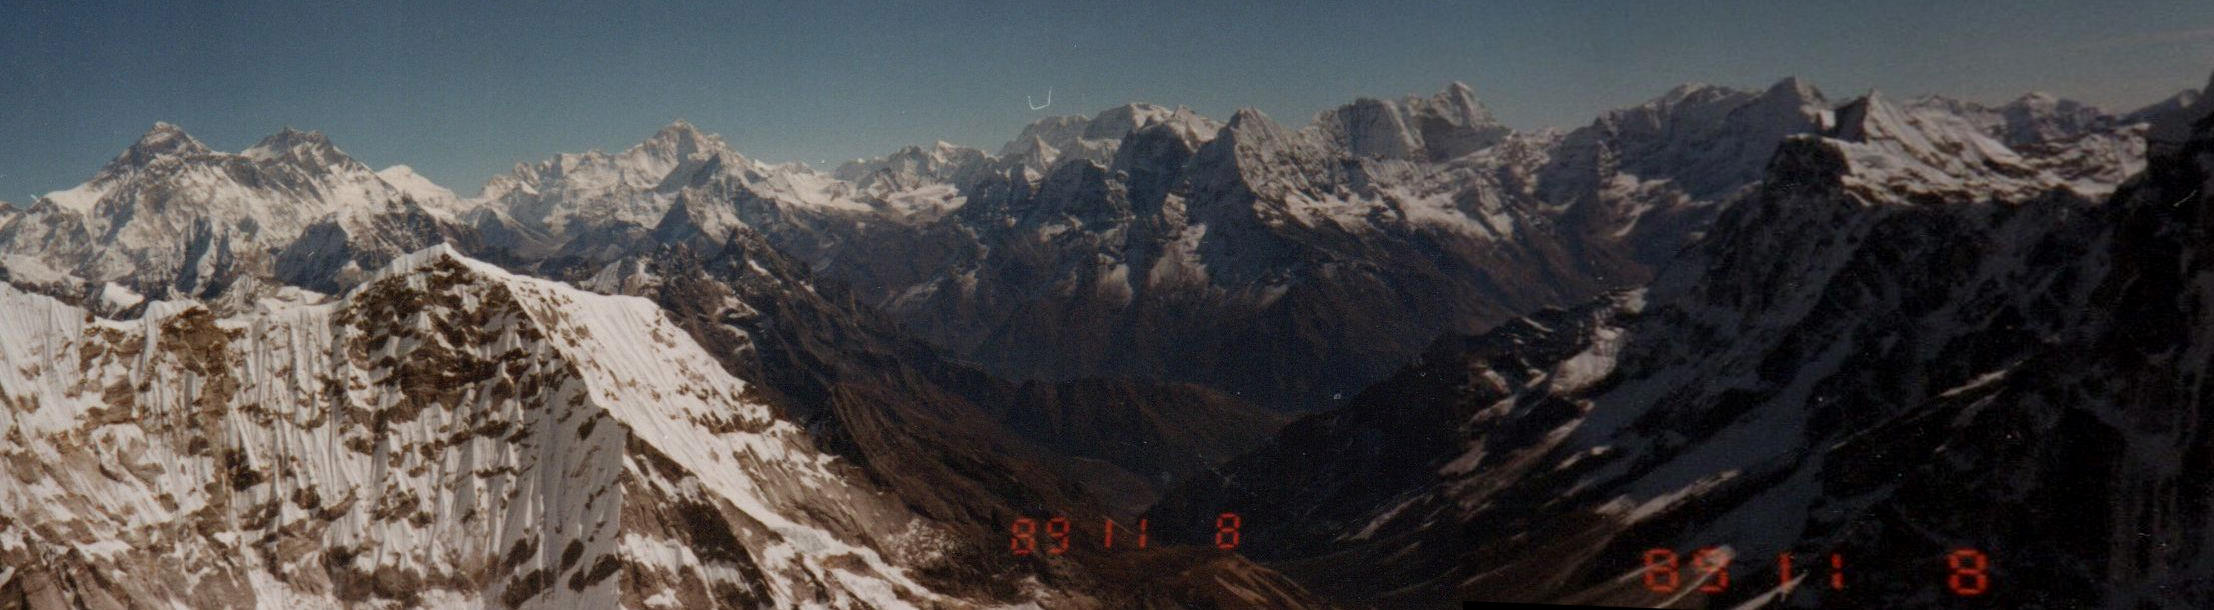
(1047, 141)
(1034, 150)
(680, 141)
(290, 142)
(1057, 128)
(913, 167)
(1792, 98)
(2038, 116)
(413, 184)
(1257, 141)
(170, 213)
(1463, 97)
(1894, 147)
(1114, 123)
(308, 152)
(436, 199)
(164, 140)
(596, 187)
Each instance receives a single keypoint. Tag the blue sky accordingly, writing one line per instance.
(462, 93)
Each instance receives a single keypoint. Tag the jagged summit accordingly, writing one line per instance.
(1935, 148)
(1246, 118)
(916, 166)
(595, 187)
(1092, 138)
(1457, 102)
(1698, 94)
(1704, 140)
(302, 148)
(290, 137)
(1063, 128)
(169, 214)
(1033, 147)
(168, 141)
(1116, 122)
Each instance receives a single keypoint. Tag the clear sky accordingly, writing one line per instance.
(462, 93)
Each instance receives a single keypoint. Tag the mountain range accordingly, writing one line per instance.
(1427, 357)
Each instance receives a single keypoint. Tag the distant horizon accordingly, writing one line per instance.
(475, 189)
(462, 94)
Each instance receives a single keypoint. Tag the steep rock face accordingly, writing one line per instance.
(1908, 340)
(1439, 128)
(446, 434)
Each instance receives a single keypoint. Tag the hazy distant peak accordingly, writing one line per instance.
(1795, 87)
(680, 140)
(2172, 126)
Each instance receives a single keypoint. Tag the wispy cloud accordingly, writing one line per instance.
(2148, 39)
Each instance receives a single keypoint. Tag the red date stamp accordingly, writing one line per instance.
(1967, 571)
(1024, 534)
